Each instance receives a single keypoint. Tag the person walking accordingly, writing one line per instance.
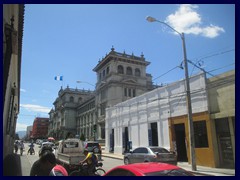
(21, 146)
(16, 147)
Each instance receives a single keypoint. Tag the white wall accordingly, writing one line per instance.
(155, 106)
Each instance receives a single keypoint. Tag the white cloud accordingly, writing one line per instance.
(21, 127)
(187, 20)
(35, 108)
(212, 31)
(23, 90)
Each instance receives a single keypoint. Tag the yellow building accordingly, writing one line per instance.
(214, 130)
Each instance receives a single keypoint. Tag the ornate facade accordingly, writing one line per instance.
(119, 77)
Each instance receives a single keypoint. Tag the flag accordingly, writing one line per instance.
(58, 78)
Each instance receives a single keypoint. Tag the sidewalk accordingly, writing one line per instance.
(201, 170)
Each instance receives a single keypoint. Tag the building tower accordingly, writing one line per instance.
(119, 77)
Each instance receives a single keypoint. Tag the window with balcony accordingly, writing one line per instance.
(129, 71)
(120, 69)
(137, 72)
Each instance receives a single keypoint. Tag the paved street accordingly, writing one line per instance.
(28, 160)
(111, 160)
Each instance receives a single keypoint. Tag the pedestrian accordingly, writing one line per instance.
(21, 146)
(16, 147)
(38, 168)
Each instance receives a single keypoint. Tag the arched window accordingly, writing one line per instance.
(120, 69)
(107, 70)
(103, 73)
(137, 72)
(71, 99)
(129, 71)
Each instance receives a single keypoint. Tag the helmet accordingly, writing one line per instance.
(85, 150)
(58, 170)
(45, 149)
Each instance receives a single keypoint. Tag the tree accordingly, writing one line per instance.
(16, 137)
(82, 137)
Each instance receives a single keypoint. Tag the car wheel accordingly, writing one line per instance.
(126, 161)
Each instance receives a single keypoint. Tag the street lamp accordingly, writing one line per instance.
(189, 104)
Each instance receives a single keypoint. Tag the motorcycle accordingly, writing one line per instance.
(31, 151)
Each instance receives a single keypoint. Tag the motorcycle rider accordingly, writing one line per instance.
(89, 163)
(31, 149)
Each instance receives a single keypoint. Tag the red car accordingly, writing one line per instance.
(148, 169)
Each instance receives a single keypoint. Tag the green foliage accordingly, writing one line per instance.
(82, 137)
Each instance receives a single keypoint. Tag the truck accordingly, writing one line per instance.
(69, 153)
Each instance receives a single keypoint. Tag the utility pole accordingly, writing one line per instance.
(189, 106)
(188, 94)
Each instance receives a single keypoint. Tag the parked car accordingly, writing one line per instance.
(148, 169)
(150, 154)
(51, 144)
(93, 146)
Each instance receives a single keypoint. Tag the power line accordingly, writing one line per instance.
(216, 54)
(166, 72)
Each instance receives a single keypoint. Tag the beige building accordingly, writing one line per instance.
(221, 94)
(120, 76)
(62, 119)
(13, 16)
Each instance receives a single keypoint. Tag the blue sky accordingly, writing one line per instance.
(69, 40)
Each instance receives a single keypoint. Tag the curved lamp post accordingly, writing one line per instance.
(189, 104)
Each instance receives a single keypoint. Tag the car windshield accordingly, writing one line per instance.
(171, 172)
(48, 144)
(159, 150)
(92, 144)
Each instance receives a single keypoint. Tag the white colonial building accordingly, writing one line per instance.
(145, 120)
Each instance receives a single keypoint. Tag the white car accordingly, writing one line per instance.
(51, 144)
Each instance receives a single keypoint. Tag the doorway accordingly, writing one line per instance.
(112, 141)
(153, 134)
(224, 143)
(125, 140)
(180, 142)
